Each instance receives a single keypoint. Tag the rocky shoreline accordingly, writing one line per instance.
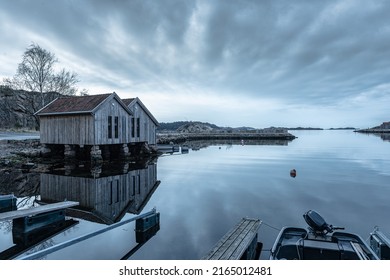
(373, 130)
(16, 158)
(30, 149)
(14, 149)
(383, 128)
(176, 138)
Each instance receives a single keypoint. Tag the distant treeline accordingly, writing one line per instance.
(305, 128)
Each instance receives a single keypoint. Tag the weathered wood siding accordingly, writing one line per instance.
(107, 197)
(147, 128)
(67, 129)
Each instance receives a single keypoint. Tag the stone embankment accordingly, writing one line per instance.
(166, 138)
(383, 128)
(373, 130)
(25, 148)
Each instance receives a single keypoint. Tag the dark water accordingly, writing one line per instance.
(343, 175)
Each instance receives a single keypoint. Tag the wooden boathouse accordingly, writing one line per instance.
(101, 126)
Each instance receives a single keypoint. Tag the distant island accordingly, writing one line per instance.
(383, 128)
(342, 128)
(305, 128)
(205, 126)
(318, 128)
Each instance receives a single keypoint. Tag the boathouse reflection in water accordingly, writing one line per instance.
(104, 197)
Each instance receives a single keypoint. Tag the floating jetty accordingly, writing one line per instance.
(10, 215)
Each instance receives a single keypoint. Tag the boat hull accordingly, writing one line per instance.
(295, 243)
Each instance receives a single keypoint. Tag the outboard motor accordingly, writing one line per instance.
(317, 223)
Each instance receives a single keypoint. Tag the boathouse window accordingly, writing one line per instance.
(132, 128)
(133, 185)
(138, 127)
(109, 127)
(116, 127)
(117, 190)
(114, 192)
(124, 126)
(124, 192)
(138, 184)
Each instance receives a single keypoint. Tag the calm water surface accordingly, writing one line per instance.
(341, 174)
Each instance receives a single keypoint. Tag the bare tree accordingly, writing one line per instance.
(84, 92)
(12, 83)
(36, 69)
(36, 73)
(64, 82)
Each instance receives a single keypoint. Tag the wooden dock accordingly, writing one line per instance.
(184, 137)
(36, 210)
(239, 243)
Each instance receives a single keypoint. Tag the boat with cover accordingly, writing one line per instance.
(320, 241)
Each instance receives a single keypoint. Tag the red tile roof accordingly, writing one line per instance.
(74, 104)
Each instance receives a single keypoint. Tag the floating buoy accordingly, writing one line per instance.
(293, 173)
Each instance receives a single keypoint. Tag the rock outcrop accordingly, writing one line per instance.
(17, 108)
(383, 128)
(196, 127)
(384, 125)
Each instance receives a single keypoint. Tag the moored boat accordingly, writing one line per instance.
(320, 241)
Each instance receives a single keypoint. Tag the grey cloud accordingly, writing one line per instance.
(300, 51)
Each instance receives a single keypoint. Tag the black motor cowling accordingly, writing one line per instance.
(316, 222)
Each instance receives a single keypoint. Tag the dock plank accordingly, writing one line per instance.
(36, 210)
(236, 241)
(242, 241)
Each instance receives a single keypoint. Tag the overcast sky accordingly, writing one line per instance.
(233, 63)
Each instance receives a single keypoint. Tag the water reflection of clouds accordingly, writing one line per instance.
(107, 246)
(254, 182)
(382, 166)
(346, 145)
(203, 194)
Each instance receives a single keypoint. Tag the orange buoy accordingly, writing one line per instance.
(293, 173)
